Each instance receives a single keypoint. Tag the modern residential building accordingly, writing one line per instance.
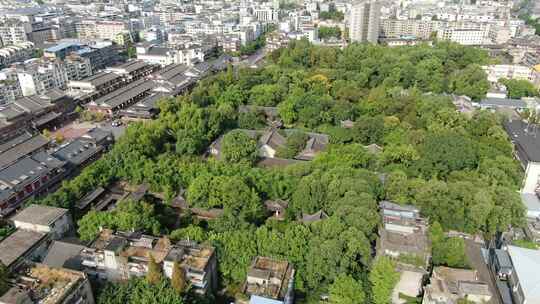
(365, 21)
(269, 281)
(77, 67)
(398, 28)
(10, 88)
(463, 36)
(163, 56)
(119, 256)
(103, 29)
(515, 271)
(101, 54)
(39, 76)
(527, 151)
(39, 283)
(16, 53)
(14, 32)
(509, 71)
(56, 222)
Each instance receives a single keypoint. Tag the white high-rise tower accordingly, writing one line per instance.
(364, 21)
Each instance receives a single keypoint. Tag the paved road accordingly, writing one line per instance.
(477, 262)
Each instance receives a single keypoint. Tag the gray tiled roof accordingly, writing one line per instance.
(100, 78)
(526, 139)
(503, 102)
(22, 149)
(122, 95)
(14, 141)
(77, 152)
(22, 172)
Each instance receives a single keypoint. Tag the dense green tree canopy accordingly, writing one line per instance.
(383, 277)
(519, 88)
(4, 274)
(237, 146)
(458, 170)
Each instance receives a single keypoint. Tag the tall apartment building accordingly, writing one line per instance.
(266, 15)
(40, 76)
(397, 28)
(509, 71)
(110, 29)
(102, 29)
(77, 67)
(463, 36)
(14, 32)
(10, 89)
(85, 29)
(15, 53)
(365, 21)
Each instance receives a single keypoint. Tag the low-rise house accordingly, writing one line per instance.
(105, 198)
(64, 255)
(404, 237)
(270, 142)
(315, 217)
(503, 103)
(22, 245)
(204, 214)
(449, 285)
(277, 208)
(270, 114)
(315, 144)
(269, 281)
(54, 221)
(403, 234)
(119, 256)
(38, 283)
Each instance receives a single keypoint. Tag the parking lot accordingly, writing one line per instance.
(76, 128)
